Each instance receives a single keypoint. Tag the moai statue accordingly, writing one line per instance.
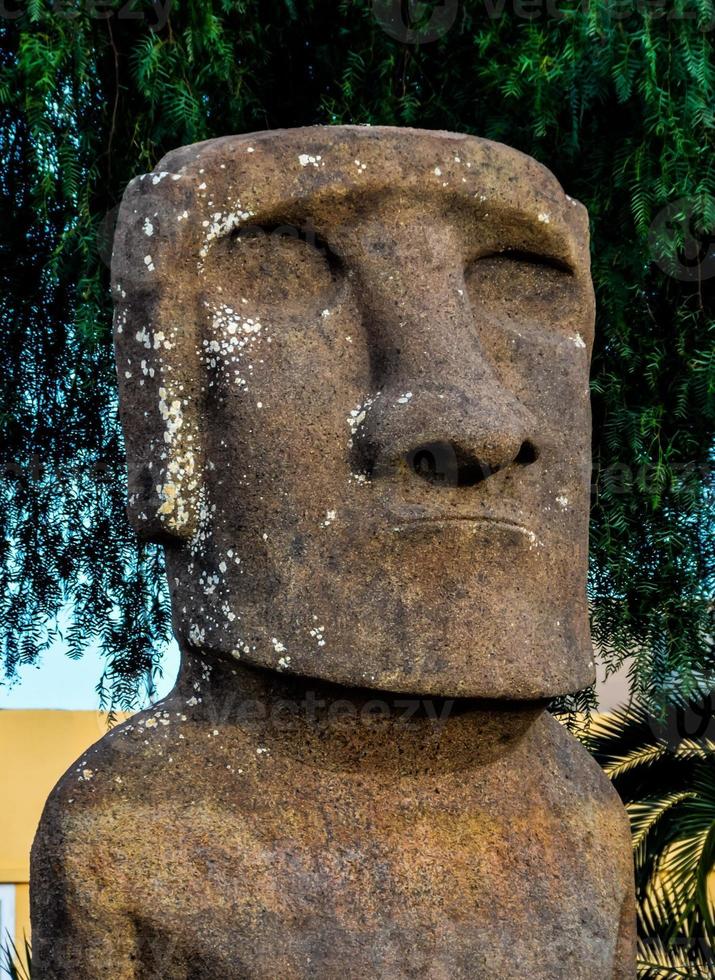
(353, 370)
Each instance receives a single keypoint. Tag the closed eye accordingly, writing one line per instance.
(524, 289)
(285, 271)
(303, 235)
(522, 257)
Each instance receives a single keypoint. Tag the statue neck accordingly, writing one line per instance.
(333, 726)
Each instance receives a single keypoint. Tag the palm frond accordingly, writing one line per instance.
(646, 813)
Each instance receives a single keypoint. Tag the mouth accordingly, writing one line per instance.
(468, 521)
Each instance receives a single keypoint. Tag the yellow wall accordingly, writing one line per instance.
(36, 747)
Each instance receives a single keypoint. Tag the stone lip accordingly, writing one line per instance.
(353, 373)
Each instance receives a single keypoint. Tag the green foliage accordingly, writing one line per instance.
(617, 101)
(664, 770)
(658, 962)
(18, 965)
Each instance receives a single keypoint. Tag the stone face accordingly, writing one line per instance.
(353, 370)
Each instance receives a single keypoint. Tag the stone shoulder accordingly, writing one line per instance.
(105, 780)
(577, 772)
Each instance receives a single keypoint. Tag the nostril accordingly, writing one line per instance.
(424, 463)
(528, 453)
(434, 462)
(473, 470)
(447, 464)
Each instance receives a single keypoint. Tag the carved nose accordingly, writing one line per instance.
(447, 462)
(446, 437)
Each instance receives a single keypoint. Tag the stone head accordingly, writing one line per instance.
(353, 368)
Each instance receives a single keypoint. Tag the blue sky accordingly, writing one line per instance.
(58, 682)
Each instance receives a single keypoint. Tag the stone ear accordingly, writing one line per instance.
(161, 385)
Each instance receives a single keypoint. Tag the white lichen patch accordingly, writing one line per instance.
(241, 647)
(178, 488)
(149, 263)
(330, 516)
(437, 171)
(544, 217)
(234, 339)
(403, 399)
(148, 227)
(220, 224)
(355, 419)
(197, 635)
(563, 501)
(361, 166)
(283, 663)
(534, 542)
(277, 645)
(204, 525)
(358, 415)
(317, 632)
(577, 340)
(208, 581)
(307, 159)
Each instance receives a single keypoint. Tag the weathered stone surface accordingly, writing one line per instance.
(353, 370)
(300, 317)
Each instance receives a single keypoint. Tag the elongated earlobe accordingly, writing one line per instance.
(159, 373)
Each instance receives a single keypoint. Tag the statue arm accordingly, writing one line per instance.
(81, 927)
(625, 959)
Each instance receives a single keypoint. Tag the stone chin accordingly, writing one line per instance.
(420, 617)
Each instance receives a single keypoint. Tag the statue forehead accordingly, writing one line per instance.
(343, 178)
